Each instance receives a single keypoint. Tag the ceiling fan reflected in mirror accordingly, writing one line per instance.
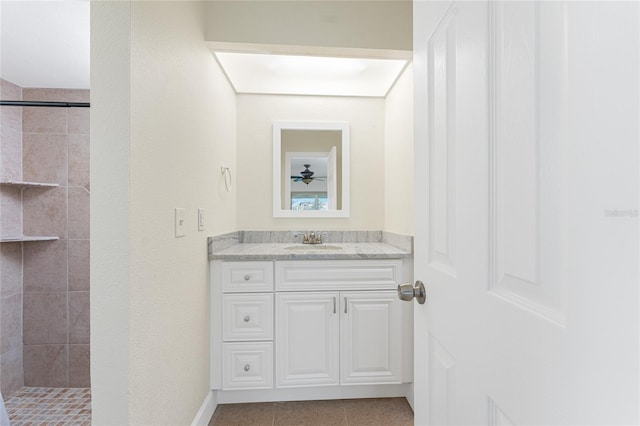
(306, 176)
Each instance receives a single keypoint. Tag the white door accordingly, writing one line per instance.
(526, 230)
(307, 339)
(371, 337)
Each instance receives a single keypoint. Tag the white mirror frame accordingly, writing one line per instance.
(278, 126)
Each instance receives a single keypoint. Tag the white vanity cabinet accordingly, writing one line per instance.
(330, 338)
(300, 329)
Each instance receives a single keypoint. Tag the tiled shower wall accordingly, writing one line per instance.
(55, 274)
(11, 367)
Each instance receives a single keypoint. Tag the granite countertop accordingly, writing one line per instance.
(338, 246)
(279, 251)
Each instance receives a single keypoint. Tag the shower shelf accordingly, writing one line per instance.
(25, 238)
(28, 184)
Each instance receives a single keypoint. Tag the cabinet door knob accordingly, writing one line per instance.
(247, 367)
(247, 277)
(247, 318)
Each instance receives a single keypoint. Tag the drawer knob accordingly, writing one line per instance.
(247, 277)
(247, 318)
(247, 367)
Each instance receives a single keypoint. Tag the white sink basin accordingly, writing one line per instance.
(304, 247)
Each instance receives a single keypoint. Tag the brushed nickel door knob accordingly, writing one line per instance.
(407, 292)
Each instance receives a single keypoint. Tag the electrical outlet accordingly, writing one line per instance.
(179, 222)
(200, 219)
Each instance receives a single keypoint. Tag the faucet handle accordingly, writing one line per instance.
(319, 237)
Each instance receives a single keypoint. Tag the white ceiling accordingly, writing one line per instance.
(45, 43)
(310, 75)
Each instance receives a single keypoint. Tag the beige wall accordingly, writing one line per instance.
(344, 24)
(110, 239)
(182, 128)
(398, 156)
(163, 120)
(256, 114)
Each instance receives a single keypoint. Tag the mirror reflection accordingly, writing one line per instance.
(312, 162)
(310, 168)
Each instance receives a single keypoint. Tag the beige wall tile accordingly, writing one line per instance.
(45, 94)
(11, 372)
(10, 323)
(79, 160)
(46, 365)
(78, 213)
(79, 370)
(79, 317)
(10, 154)
(44, 120)
(44, 158)
(9, 90)
(10, 269)
(45, 318)
(45, 211)
(10, 212)
(79, 251)
(79, 95)
(10, 133)
(78, 121)
(11, 116)
(45, 266)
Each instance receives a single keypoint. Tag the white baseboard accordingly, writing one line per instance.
(313, 393)
(409, 397)
(206, 410)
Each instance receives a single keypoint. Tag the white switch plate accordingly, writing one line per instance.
(200, 219)
(180, 222)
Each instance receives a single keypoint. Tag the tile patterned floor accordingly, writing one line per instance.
(351, 412)
(50, 406)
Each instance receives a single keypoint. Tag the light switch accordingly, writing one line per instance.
(180, 222)
(200, 219)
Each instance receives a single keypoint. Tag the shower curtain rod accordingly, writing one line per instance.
(45, 104)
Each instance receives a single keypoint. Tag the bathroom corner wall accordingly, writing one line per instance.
(44, 328)
(11, 367)
(55, 148)
(398, 156)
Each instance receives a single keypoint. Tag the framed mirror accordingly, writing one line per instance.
(310, 169)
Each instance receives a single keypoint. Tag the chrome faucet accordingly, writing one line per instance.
(312, 238)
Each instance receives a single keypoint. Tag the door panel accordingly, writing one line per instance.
(441, 388)
(442, 146)
(528, 145)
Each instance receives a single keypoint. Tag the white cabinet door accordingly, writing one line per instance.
(307, 330)
(371, 337)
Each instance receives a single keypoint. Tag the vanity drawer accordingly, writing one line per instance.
(338, 274)
(247, 276)
(248, 366)
(247, 316)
